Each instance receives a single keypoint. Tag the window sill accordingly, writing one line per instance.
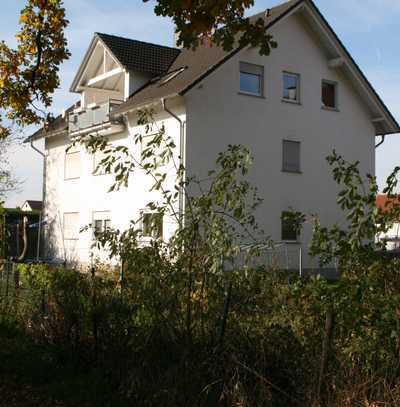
(71, 179)
(251, 95)
(330, 109)
(71, 239)
(292, 172)
(291, 242)
(291, 102)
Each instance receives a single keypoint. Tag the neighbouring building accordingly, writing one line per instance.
(31, 206)
(392, 237)
(291, 109)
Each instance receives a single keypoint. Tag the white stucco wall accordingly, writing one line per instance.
(217, 116)
(89, 193)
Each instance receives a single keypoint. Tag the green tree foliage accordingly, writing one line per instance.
(222, 22)
(29, 74)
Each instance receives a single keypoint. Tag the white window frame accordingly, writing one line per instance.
(298, 88)
(72, 236)
(102, 216)
(69, 154)
(251, 69)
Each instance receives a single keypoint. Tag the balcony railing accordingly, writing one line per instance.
(92, 116)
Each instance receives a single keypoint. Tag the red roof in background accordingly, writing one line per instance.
(384, 203)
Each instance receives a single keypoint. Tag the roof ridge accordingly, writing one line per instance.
(137, 41)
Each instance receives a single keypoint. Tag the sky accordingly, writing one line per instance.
(368, 28)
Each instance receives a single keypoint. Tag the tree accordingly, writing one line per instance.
(7, 182)
(223, 22)
(29, 74)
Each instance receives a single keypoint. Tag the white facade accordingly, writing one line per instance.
(217, 114)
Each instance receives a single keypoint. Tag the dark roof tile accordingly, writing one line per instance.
(138, 56)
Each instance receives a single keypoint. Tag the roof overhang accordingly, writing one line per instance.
(340, 59)
(108, 78)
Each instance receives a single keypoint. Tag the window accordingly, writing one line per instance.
(329, 95)
(289, 228)
(251, 79)
(291, 87)
(72, 167)
(101, 222)
(71, 226)
(152, 225)
(291, 156)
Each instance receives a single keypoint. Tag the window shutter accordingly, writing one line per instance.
(72, 165)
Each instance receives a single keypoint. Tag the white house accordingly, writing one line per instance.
(291, 109)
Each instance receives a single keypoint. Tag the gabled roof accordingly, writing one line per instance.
(35, 205)
(202, 62)
(198, 64)
(177, 71)
(132, 55)
(138, 56)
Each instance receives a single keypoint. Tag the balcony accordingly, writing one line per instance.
(94, 118)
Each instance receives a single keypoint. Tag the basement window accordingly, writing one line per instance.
(251, 79)
(329, 95)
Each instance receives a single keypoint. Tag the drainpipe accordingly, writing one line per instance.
(43, 199)
(381, 142)
(181, 152)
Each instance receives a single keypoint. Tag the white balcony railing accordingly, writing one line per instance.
(92, 116)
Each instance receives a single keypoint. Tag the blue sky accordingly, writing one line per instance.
(368, 28)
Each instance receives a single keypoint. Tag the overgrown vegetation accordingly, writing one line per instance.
(187, 323)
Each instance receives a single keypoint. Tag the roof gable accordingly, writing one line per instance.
(138, 56)
(107, 52)
(202, 62)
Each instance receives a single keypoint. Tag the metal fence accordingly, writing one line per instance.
(284, 257)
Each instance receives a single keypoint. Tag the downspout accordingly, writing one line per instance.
(181, 154)
(43, 199)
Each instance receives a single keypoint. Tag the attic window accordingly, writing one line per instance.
(171, 75)
(329, 95)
